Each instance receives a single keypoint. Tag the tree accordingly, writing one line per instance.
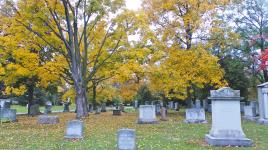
(24, 63)
(235, 74)
(75, 24)
(251, 22)
(180, 59)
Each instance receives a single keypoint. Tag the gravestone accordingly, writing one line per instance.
(90, 108)
(158, 109)
(195, 115)
(163, 114)
(242, 105)
(103, 107)
(226, 119)
(255, 105)
(75, 129)
(126, 139)
(45, 119)
(122, 108)
(48, 107)
(250, 113)
(197, 104)
(263, 103)
(161, 104)
(116, 112)
(147, 114)
(8, 114)
(98, 110)
(192, 104)
(2, 103)
(66, 107)
(136, 104)
(205, 104)
(34, 110)
(209, 108)
(170, 105)
(176, 106)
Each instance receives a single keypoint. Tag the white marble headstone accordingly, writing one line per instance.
(263, 103)
(195, 115)
(126, 139)
(226, 119)
(147, 114)
(75, 129)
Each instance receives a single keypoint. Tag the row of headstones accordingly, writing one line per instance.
(226, 122)
(226, 118)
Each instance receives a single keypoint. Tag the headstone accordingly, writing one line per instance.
(116, 112)
(170, 105)
(242, 105)
(263, 103)
(163, 114)
(205, 104)
(48, 107)
(176, 106)
(158, 109)
(75, 129)
(45, 119)
(103, 107)
(198, 104)
(195, 115)
(226, 119)
(2, 103)
(136, 104)
(147, 103)
(122, 108)
(34, 110)
(192, 104)
(209, 108)
(66, 107)
(250, 113)
(90, 108)
(126, 139)
(255, 105)
(161, 104)
(7, 104)
(98, 110)
(147, 114)
(8, 114)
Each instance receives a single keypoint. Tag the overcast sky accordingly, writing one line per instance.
(133, 4)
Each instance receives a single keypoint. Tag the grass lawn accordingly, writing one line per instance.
(100, 134)
(23, 109)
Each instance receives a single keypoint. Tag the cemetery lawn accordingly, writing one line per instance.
(100, 134)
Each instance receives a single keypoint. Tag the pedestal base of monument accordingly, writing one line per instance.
(215, 141)
(262, 121)
(142, 121)
(193, 121)
(250, 118)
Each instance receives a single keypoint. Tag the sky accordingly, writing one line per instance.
(133, 4)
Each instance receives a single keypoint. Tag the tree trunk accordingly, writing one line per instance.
(265, 75)
(81, 102)
(30, 97)
(94, 97)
